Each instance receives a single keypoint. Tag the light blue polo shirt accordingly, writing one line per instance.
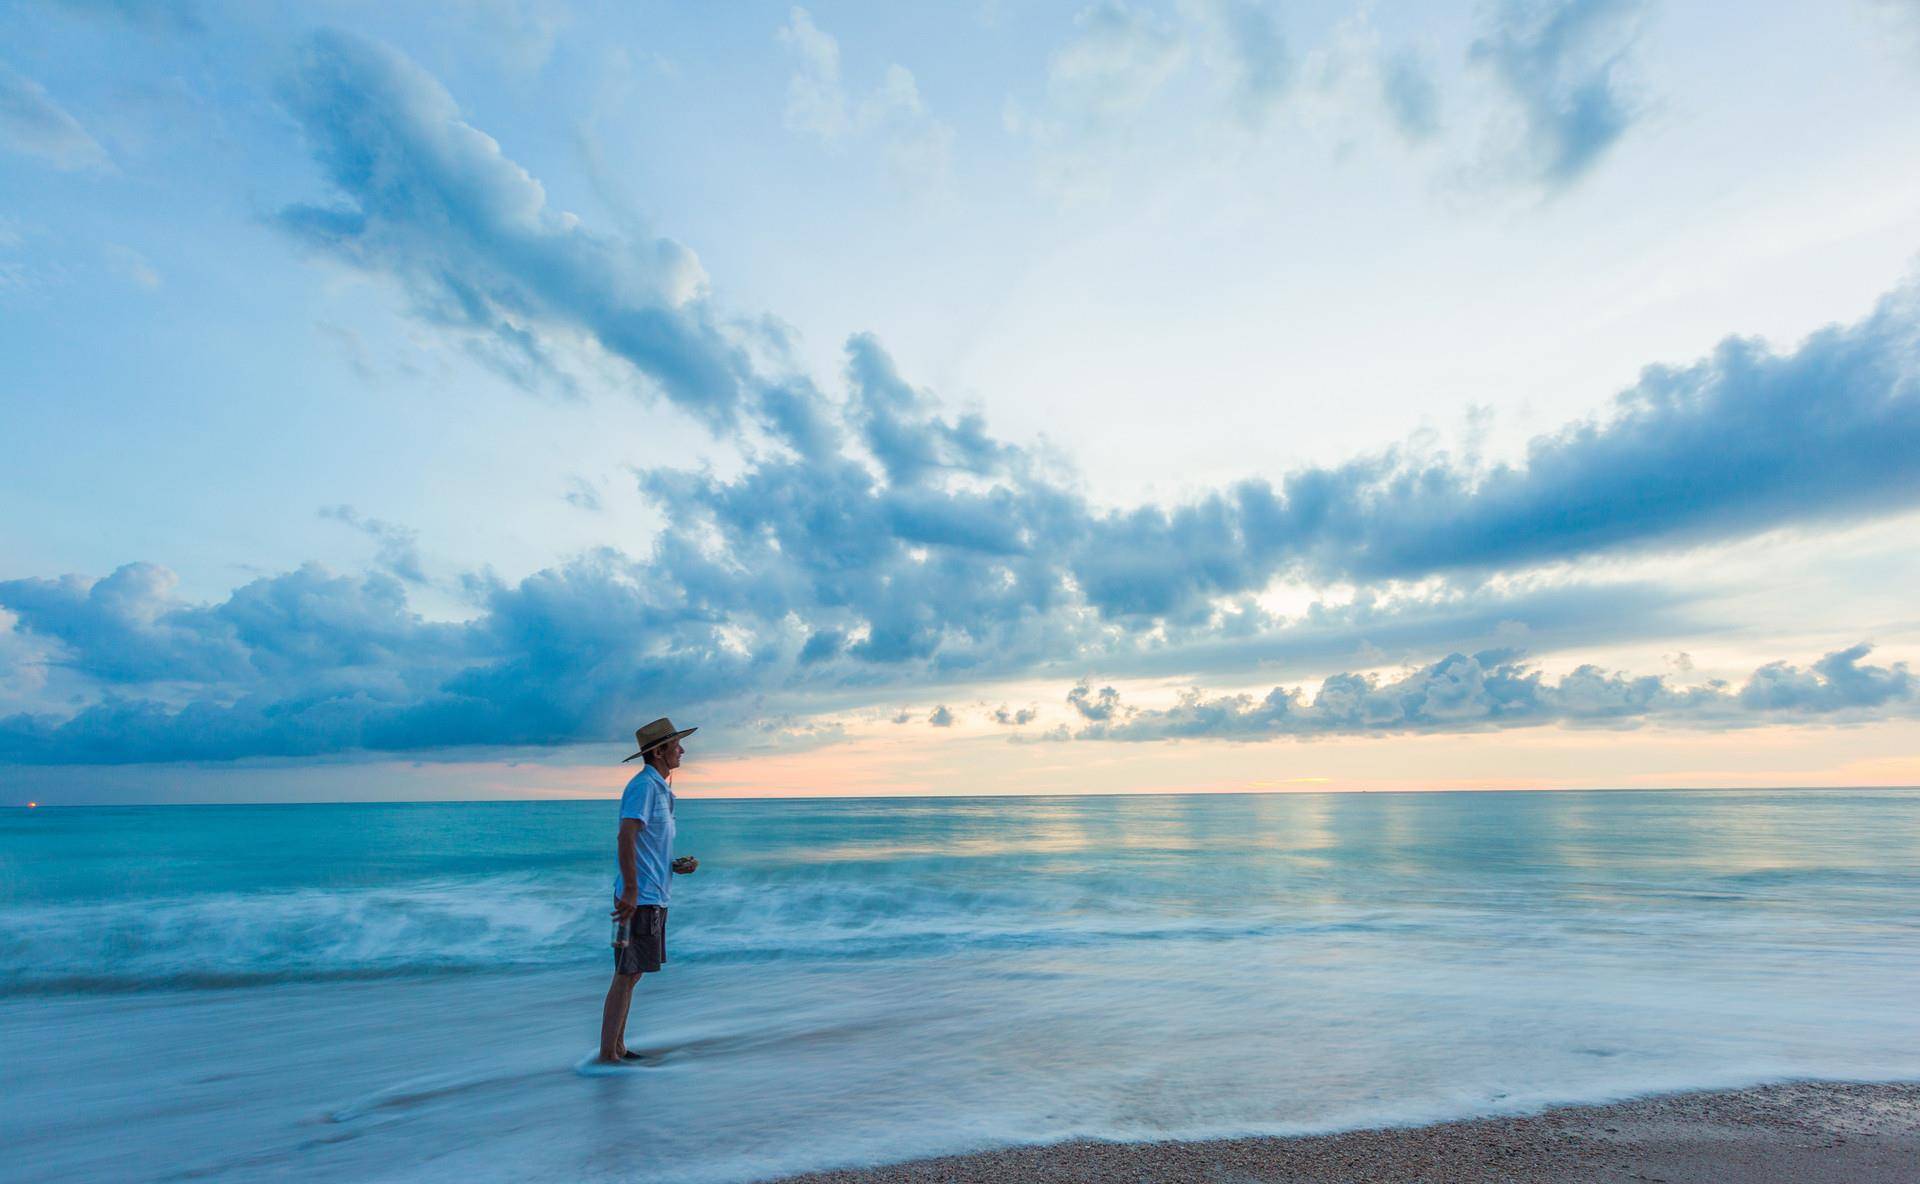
(649, 798)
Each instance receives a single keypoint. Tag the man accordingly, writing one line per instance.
(640, 891)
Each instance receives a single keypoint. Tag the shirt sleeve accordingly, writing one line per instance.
(637, 801)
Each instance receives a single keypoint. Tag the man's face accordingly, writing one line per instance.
(670, 755)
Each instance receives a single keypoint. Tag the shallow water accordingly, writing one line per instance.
(367, 992)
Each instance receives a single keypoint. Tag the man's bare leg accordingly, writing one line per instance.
(613, 1018)
(621, 1039)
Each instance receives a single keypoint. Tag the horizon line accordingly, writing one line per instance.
(34, 806)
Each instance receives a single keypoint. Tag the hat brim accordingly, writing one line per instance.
(662, 740)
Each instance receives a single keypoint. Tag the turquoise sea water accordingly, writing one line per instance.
(371, 992)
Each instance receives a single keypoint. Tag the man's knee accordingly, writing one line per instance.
(625, 980)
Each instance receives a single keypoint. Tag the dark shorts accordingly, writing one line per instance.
(646, 946)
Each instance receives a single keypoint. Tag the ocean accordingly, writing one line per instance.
(407, 992)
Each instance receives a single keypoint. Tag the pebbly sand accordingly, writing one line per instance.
(1804, 1133)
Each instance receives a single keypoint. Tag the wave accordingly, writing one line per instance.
(525, 919)
(508, 922)
(239, 939)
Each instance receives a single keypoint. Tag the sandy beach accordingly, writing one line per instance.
(1803, 1133)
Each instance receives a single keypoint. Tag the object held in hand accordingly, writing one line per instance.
(685, 864)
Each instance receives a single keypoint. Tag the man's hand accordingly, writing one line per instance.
(623, 907)
(685, 865)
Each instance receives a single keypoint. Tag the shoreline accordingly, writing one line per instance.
(1811, 1131)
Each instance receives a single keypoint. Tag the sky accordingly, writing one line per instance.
(1207, 395)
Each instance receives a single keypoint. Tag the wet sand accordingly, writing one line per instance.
(1804, 1133)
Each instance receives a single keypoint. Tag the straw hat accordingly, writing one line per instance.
(657, 733)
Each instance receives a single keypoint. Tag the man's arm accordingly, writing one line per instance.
(629, 852)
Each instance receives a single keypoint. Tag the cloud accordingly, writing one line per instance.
(1494, 690)
(32, 124)
(816, 99)
(908, 547)
(1412, 99)
(900, 428)
(1248, 47)
(298, 664)
(892, 545)
(1099, 707)
(125, 628)
(1743, 441)
(941, 717)
(25, 672)
(309, 662)
(312, 663)
(399, 551)
(1014, 719)
(919, 148)
(583, 496)
(1836, 682)
(1384, 626)
(1562, 64)
(433, 202)
(1120, 57)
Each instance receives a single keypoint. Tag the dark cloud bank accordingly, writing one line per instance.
(877, 543)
